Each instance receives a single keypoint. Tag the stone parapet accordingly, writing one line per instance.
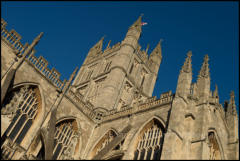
(127, 110)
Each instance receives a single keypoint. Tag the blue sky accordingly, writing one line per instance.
(72, 28)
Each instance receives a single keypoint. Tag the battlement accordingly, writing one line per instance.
(12, 38)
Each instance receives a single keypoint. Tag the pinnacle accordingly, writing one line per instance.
(189, 54)
(204, 72)
(138, 21)
(232, 105)
(215, 93)
(232, 98)
(232, 94)
(158, 49)
(187, 66)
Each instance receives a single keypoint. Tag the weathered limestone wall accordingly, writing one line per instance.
(28, 74)
(137, 121)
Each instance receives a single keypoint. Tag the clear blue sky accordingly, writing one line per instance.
(72, 28)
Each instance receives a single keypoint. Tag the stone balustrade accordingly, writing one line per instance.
(126, 110)
(12, 38)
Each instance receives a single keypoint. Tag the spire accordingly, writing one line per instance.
(138, 23)
(158, 49)
(204, 72)
(215, 93)
(187, 66)
(232, 105)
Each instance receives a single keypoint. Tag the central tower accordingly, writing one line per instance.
(121, 75)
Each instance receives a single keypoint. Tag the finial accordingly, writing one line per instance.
(38, 37)
(206, 58)
(189, 54)
(103, 37)
(232, 94)
(160, 41)
(141, 14)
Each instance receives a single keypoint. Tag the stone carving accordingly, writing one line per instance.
(105, 141)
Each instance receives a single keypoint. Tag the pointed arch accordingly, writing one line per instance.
(66, 139)
(147, 142)
(214, 144)
(103, 141)
(25, 104)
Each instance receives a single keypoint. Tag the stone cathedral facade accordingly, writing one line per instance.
(106, 109)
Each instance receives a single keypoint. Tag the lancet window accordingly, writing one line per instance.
(214, 152)
(65, 139)
(21, 106)
(149, 142)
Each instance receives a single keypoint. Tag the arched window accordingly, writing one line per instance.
(21, 105)
(214, 151)
(149, 142)
(65, 139)
(106, 139)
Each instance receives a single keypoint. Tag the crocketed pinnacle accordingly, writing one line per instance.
(232, 105)
(204, 72)
(158, 49)
(215, 93)
(99, 44)
(187, 66)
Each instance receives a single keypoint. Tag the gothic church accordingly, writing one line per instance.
(106, 110)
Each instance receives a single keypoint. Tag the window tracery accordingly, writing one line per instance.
(150, 142)
(65, 139)
(22, 107)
